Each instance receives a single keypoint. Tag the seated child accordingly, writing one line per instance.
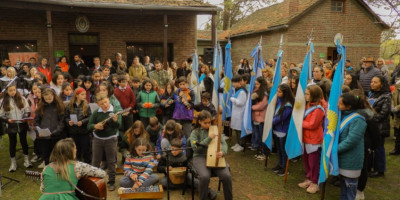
(171, 130)
(138, 167)
(154, 129)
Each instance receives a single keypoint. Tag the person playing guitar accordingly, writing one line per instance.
(61, 176)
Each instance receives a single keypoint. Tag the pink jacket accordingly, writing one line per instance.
(259, 110)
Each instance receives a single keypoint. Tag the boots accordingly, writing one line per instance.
(27, 163)
(13, 166)
(396, 150)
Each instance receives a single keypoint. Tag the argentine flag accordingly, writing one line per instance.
(269, 116)
(217, 65)
(228, 90)
(294, 141)
(329, 155)
(258, 65)
(194, 80)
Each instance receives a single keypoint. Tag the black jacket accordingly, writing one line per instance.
(174, 161)
(51, 119)
(382, 107)
(78, 111)
(76, 70)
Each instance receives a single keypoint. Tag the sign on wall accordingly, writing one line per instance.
(82, 24)
(22, 57)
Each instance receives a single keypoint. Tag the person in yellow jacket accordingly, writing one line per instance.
(137, 69)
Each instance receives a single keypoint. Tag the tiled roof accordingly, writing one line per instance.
(206, 35)
(149, 2)
(277, 16)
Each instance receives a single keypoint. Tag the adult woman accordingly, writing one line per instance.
(380, 99)
(122, 67)
(183, 70)
(63, 64)
(380, 64)
(245, 68)
(352, 81)
(11, 73)
(320, 79)
(63, 171)
(137, 69)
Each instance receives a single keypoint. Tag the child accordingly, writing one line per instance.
(127, 99)
(154, 129)
(105, 138)
(66, 92)
(79, 107)
(33, 100)
(312, 137)
(49, 115)
(114, 80)
(206, 104)
(245, 78)
(178, 159)
(148, 102)
(259, 99)
(64, 171)
(89, 87)
(200, 138)
(135, 86)
(78, 83)
(13, 111)
(167, 102)
(171, 130)
(238, 105)
(280, 125)
(106, 73)
(184, 102)
(138, 168)
(351, 144)
(108, 90)
(128, 139)
(57, 81)
(96, 76)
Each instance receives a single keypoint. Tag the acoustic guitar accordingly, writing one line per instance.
(92, 186)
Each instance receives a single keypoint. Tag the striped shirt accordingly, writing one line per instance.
(142, 166)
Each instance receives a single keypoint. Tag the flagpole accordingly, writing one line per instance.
(286, 171)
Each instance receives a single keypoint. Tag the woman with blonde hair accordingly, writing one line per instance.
(380, 64)
(60, 177)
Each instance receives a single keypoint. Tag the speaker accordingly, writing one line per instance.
(208, 56)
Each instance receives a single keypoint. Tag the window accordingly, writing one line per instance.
(154, 50)
(18, 50)
(337, 6)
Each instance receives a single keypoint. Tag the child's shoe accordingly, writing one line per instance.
(305, 184)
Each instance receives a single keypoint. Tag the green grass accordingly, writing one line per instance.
(250, 179)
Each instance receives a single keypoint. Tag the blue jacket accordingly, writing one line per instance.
(281, 122)
(351, 144)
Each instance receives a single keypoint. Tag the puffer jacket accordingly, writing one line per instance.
(281, 122)
(382, 104)
(259, 110)
(78, 111)
(15, 113)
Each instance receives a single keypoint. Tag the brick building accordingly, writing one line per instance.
(295, 19)
(158, 28)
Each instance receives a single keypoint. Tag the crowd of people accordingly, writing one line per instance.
(154, 109)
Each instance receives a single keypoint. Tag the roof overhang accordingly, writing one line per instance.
(272, 28)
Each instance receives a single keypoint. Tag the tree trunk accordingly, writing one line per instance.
(226, 14)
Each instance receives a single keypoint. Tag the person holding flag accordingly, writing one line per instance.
(238, 105)
(228, 91)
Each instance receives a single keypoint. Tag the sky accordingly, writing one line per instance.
(203, 19)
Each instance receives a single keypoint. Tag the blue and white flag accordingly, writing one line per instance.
(294, 140)
(217, 65)
(256, 72)
(194, 80)
(329, 154)
(269, 116)
(228, 90)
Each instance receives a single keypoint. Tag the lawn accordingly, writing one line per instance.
(250, 179)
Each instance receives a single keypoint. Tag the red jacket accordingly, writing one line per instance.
(259, 110)
(127, 99)
(313, 131)
(46, 71)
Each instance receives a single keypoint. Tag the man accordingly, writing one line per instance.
(367, 73)
(118, 58)
(32, 62)
(160, 75)
(148, 65)
(105, 136)
(78, 67)
(97, 66)
(6, 63)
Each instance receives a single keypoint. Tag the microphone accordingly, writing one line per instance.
(199, 144)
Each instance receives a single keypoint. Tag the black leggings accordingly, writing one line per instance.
(12, 137)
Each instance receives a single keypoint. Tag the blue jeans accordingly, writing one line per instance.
(280, 147)
(380, 158)
(256, 137)
(348, 188)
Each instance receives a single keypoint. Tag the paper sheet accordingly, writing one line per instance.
(43, 132)
(74, 118)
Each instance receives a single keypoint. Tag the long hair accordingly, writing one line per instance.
(63, 87)
(354, 101)
(385, 85)
(203, 115)
(355, 83)
(287, 97)
(316, 94)
(171, 125)
(55, 77)
(262, 90)
(144, 83)
(130, 133)
(296, 80)
(56, 100)
(18, 99)
(139, 142)
(84, 103)
(62, 154)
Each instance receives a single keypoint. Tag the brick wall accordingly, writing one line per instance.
(361, 36)
(114, 31)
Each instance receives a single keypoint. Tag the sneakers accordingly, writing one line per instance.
(234, 146)
(13, 165)
(41, 166)
(27, 163)
(394, 152)
(304, 184)
(224, 137)
(276, 168)
(34, 158)
(238, 149)
(261, 157)
(313, 188)
(360, 195)
(111, 187)
(281, 172)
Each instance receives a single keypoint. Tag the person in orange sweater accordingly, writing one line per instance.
(63, 64)
(312, 137)
(45, 68)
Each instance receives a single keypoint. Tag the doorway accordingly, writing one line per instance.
(84, 44)
(332, 54)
